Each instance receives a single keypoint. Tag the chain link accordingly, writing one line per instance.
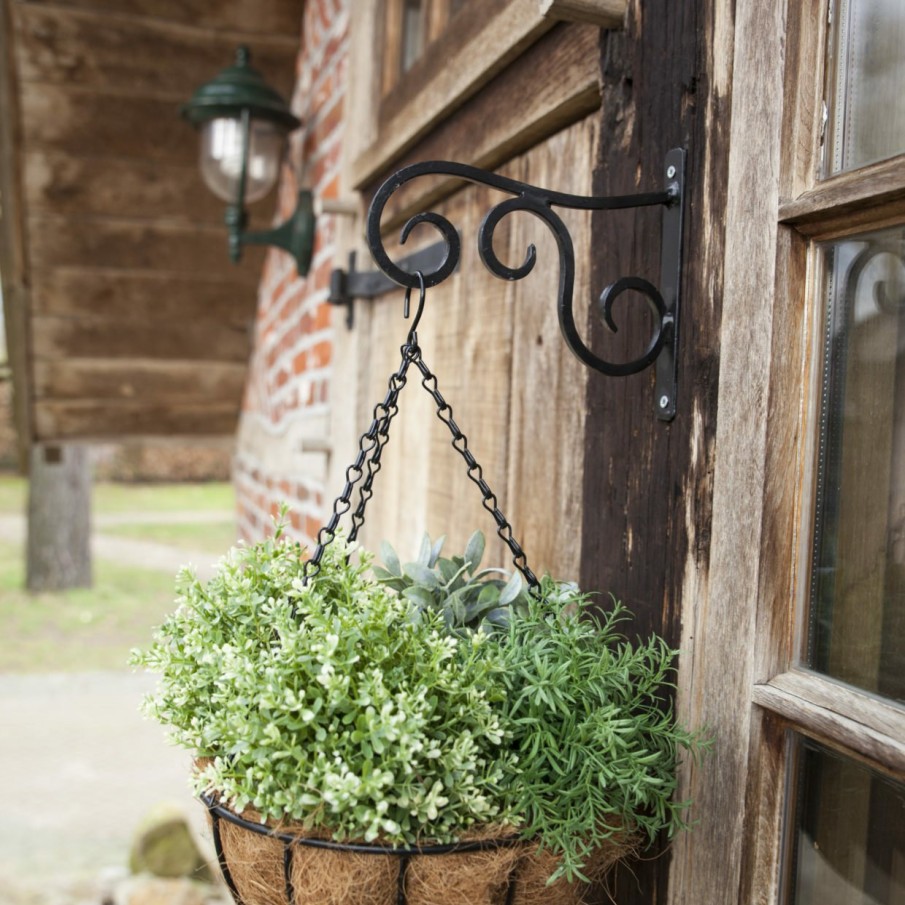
(368, 463)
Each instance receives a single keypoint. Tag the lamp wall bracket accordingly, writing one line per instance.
(663, 301)
(351, 284)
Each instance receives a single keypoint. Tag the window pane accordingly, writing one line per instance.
(849, 833)
(857, 612)
(414, 20)
(867, 71)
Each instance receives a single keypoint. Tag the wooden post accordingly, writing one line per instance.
(59, 518)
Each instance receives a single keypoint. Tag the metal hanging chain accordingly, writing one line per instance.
(373, 441)
(475, 472)
(370, 442)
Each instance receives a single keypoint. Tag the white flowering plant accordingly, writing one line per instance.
(328, 703)
(362, 708)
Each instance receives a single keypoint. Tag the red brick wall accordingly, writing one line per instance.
(287, 399)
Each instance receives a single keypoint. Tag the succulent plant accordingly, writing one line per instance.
(465, 595)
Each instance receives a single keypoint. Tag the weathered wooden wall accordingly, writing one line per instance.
(137, 324)
(516, 390)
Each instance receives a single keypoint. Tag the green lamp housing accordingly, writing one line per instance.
(243, 124)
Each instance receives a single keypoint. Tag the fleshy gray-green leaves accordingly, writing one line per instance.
(466, 596)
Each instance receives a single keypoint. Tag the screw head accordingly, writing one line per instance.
(670, 172)
(664, 401)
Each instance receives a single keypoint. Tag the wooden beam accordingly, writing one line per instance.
(448, 80)
(13, 248)
(263, 17)
(140, 380)
(101, 421)
(229, 297)
(602, 13)
(558, 79)
(149, 246)
(58, 338)
(81, 49)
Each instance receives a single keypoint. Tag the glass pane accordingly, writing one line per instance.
(857, 613)
(867, 71)
(414, 20)
(849, 834)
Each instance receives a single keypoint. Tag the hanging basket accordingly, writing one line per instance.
(283, 864)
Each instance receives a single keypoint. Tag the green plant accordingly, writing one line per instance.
(407, 707)
(327, 702)
(465, 597)
(596, 743)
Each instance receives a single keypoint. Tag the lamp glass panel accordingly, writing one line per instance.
(221, 157)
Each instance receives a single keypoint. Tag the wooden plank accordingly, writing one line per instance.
(602, 13)
(13, 245)
(548, 383)
(105, 243)
(838, 714)
(263, 17)
(147, 297)
(135, 57)
(559, 81)
(146, 381)
(101, 420)
(89, 124)
(666, 82)
(850, 200)
(448, 80)
(95, 186)
(58, 338)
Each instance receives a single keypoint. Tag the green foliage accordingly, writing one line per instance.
(466, 598)
(329, 703)
(386, 708)
(596, 744)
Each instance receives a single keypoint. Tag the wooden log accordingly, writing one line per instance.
(147, 297)
(263, 17)
(136, 57)
(55, 338)
(602, 13)
(150, 382)
(90, 124)
(556, 82)
(95, 186)
(149, 246)
(102, 420)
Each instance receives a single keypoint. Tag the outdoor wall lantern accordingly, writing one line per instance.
(243, 124)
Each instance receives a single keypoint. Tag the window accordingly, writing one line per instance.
(842, 701)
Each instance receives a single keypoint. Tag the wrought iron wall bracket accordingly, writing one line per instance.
(663, 302)
(351, 284)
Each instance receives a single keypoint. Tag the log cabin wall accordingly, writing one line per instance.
(129, 320)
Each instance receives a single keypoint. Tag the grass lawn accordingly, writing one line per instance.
(117, 498)
(94, 628)
(83, 629)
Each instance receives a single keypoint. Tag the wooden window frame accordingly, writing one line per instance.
(748, 642)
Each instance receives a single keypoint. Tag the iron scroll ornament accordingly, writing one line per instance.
(663, 301)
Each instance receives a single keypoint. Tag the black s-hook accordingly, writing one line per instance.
(406, 307)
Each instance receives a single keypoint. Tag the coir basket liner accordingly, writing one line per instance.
(284, 864)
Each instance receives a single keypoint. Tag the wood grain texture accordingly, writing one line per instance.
(264, 17)
(448, 80)
(59, 338)
(557, 80)
(129, 246)
(839, 715)
(157, 382)
(126, 56)
(602, 13)
(13, 249)
(98, 420)
(501, 363)
(648, 505)
(146, 297)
